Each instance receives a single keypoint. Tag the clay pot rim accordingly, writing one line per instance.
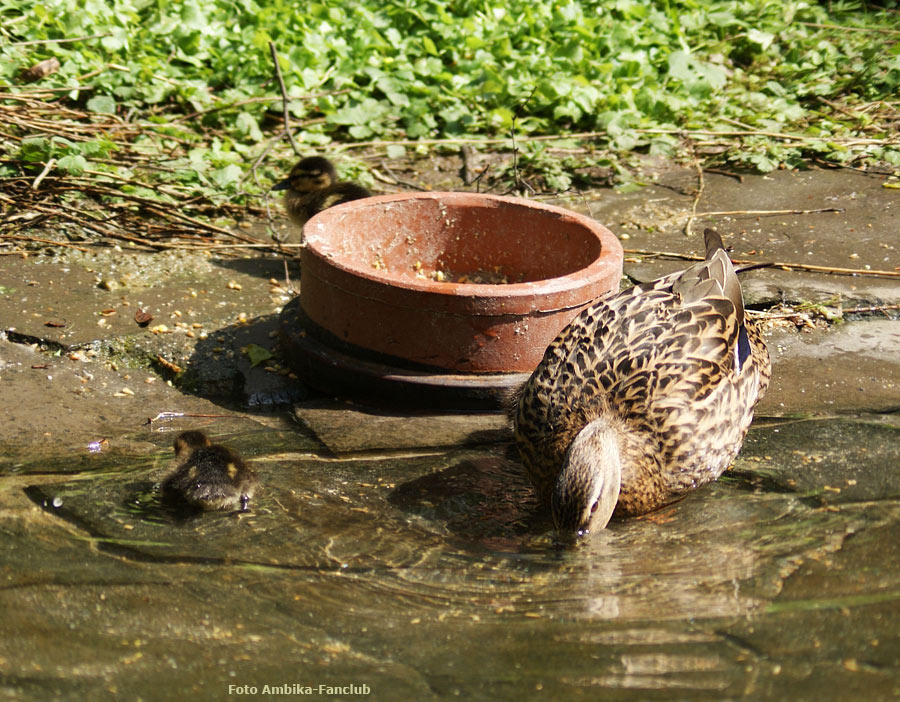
(581, 278)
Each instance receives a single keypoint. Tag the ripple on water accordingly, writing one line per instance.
(446, 558)
(455, 532)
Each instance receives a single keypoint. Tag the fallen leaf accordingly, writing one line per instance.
(257, 354)
(142, 317)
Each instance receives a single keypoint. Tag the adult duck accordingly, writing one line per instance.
(647, 394)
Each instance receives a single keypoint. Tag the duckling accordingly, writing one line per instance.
(647, 394)
(312, 186)
(208, 476)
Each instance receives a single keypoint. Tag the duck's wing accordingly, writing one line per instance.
(682, 328)
(666, 344)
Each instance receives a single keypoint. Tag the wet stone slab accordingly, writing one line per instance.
(79, 303)
(854, 366)
(434, 574)
(800, 456)
(220, 367)
(346, 427)
(56, 407)
(862, 235)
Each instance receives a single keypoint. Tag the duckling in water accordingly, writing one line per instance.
(647, 394)
(312, 186)
(208, 476)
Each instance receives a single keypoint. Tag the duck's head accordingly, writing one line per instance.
(587, 489)
(188, 441)
(310, 174)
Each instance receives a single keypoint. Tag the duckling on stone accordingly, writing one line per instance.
(312, 186)
(208, 476)
(646, 395)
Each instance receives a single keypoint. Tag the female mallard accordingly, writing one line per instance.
(312, 186)
(208, 476)
(647, 394)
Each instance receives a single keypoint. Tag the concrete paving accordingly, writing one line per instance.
(404, 551)
(207, 312)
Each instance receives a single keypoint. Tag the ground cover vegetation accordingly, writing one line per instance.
(152, 103)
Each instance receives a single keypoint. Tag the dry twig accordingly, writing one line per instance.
(700, 185)
(787, 266)
(285, 100)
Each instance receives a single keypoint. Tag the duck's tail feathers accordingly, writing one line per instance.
(713, 242)
(723, 270)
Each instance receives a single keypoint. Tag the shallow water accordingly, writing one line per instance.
(425, 574)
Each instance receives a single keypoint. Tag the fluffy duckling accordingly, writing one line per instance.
(647, 394)
(312, 186)
(208, 476)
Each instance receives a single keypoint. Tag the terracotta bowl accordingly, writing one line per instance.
(456, 281)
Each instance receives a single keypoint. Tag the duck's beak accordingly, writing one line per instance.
(283, 185)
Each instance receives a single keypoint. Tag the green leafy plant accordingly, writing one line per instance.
(773, 83)
(70, 157)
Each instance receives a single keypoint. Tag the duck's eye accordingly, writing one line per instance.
(595, 506)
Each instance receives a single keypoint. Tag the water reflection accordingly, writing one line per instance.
(484, 502)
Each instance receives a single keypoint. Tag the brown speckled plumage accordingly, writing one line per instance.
(671, 370)
(312, 186)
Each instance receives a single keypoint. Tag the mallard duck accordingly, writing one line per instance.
(646, 395)
(208, 476)
(312, 186)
